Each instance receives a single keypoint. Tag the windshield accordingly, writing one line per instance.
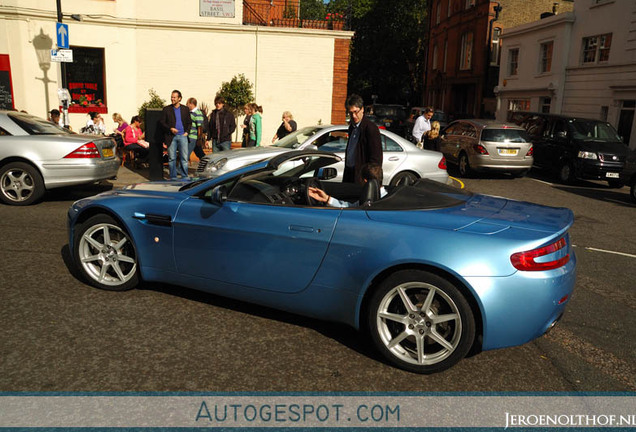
(295, 139)
(505, 135)
(591, 130)
(36, 125)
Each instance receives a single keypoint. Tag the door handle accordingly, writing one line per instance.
(302, 228)
(394, 158)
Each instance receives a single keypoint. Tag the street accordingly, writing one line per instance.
(59, 334)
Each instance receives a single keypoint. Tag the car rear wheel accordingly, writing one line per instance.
(420, 322)
(464, 165)
(20, 184)
(105, 254)
(404, 178)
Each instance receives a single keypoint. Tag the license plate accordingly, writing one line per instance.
(508, 152)
(611, 175)
(107, 152)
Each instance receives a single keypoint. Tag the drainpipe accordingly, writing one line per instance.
(497, 10)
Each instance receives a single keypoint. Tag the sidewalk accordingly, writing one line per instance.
(126, 175)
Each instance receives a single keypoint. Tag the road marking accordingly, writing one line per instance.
(541, 181)
(611, 252)
(458, 181)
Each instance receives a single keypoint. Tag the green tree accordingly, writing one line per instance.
(312, 10)
(154, 102)
(388, 50)
(237, 92)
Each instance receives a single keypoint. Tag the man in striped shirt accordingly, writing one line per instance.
(196, 130)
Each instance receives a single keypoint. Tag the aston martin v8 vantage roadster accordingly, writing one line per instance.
(429, 272)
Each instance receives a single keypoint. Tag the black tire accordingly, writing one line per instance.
(565, 174)
(632, 192)
(463, 166)
(616, 184)
(20, 184)
(105, 255)
(407, 335)
(404, 178)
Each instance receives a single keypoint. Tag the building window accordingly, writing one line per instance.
(438, 12)
(545, 103)
(496, 46)
(435, 57)
(85, 80)
(445, 53)
(546, 57)
(470, 3)
(467, 51)
(513, 61)
(596, 48)
(518, 104)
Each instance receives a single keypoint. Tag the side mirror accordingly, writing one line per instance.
(327, 173)
(218, 195)
(312, 147)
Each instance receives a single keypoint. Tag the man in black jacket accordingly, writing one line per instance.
(364, 145)
(176, 122)
(222, 125)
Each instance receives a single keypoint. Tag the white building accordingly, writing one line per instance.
(591, 55)
(122, 49)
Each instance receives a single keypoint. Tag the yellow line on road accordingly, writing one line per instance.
(461, 184)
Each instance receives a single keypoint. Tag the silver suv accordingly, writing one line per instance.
(487, 145)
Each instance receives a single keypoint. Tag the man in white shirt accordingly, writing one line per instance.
(369, 171)
(422, 124)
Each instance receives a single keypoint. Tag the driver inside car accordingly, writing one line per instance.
(369, 171)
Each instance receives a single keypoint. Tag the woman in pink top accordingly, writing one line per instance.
(133, 139)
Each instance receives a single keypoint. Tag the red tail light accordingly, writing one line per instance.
(531, 151)
(87, 151)
(381, 127)
(525, 261)
(442, 163)
(480, 149)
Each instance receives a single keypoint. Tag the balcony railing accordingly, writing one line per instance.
(275, 15)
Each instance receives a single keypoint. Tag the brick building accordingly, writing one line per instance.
(463, 55)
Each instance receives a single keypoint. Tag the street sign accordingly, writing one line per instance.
(62, 56)
(61, 30)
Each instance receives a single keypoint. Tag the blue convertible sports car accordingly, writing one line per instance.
(429, 272)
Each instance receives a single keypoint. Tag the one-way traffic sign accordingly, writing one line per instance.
(61, 30)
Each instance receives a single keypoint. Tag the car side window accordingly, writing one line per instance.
(388, 145)
(335, 141)
(560, 129)
(469, 131)
(536, 126)
(451, 130)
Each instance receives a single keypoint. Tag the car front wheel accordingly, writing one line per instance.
(420, 322)
(105, 254)
(566, 173)
(20, 184)
(464, 165)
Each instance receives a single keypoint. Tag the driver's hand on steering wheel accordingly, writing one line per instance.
(318, 194)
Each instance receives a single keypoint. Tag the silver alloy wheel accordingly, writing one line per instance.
(107, 254)
(463, 164)
(17, 185)
(419, 323)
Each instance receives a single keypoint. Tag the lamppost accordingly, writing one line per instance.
(43, 44)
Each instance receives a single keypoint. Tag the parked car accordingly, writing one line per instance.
(573, 147)
(388, 116)
(403, 161)
(438, 116)
(36, 155)
(628, 175)
(487, 145)
(429, 271)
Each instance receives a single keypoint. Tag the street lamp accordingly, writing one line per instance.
(43, 44)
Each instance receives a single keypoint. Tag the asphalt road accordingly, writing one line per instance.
(59, 334)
